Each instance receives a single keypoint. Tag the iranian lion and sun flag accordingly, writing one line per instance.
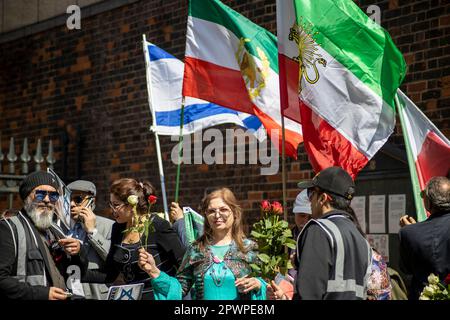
(333, 74)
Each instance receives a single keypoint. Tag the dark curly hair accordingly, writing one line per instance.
(123, 188)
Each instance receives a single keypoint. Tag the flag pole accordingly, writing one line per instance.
(283, 166)
(180, 151)
(420, 209)
(153, 127)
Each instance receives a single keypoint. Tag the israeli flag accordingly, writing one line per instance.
(165, 80)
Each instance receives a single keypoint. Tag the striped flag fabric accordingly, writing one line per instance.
(233, 62)
(346, 70)
(165, 77)
(427, 148)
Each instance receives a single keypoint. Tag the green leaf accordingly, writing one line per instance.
(256, 234)
(289, 264)
(287, 233)
(264, 257)
(284, 224)
(290, 245)
(255, 267)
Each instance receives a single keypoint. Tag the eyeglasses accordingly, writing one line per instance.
(40, 195)
(79, 199)
(115, 207)
(222, 211)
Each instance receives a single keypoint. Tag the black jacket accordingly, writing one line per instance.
(163, 243)
(319, 277)
(425, 249)
(36, 262)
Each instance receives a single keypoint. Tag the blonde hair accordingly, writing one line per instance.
(236, 230)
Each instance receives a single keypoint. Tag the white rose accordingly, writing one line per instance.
(428, 291)
(422, 297)
(133, 200)
(432, 279)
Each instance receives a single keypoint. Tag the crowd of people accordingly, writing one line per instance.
(43, 258)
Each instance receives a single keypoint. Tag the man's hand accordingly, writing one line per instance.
(88, 218)
(176, 213)
(405, 220)
(71, 246)
(57, 294)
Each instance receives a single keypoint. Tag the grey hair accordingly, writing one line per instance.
(438, 193)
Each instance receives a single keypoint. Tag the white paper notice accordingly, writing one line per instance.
(359, 206)
(397, 208)
(380, 242)
(377, 221)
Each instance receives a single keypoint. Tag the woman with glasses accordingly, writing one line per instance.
(121, 265)
(217, 265)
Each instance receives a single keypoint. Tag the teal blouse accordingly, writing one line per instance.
(211, 280)
(219, 280)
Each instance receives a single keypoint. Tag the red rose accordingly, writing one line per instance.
(277, 207)
(447, 279)
(265, 205)
(152, 199)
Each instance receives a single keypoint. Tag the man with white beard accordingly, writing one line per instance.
(27, 268)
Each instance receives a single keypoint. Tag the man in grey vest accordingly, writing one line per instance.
(93, 232)
(27, 266)
(334, 258)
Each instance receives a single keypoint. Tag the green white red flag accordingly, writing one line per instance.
(233, 62)
(346, 70)
(427, 148)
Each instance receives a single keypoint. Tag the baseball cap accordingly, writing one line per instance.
(334, 180)
(83, 185)
(302, 204)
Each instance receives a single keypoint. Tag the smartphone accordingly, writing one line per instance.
(89, 203)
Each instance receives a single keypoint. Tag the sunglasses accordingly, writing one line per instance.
(40, 195)
(79, 199)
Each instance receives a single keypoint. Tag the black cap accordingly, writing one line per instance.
(334, 180)
(39, 178)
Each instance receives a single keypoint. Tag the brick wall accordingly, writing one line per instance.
(92, 81)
